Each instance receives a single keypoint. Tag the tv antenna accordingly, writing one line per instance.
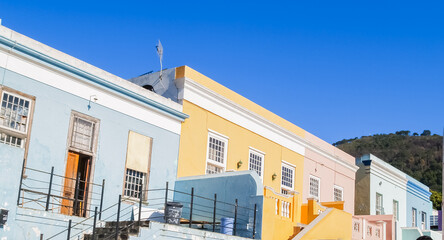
(159, 49)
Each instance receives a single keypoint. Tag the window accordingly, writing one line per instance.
(14, 118)
(287, 177)
(423, 220)
(256, 162)
(314, 187)
(217, 153)
(83, 134)
(138, 160)
(379, 209)
(369, 231)
(134, 182)
(337, 191)
(413, 217)
(395, 210)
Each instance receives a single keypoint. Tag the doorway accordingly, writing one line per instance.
(76, 184)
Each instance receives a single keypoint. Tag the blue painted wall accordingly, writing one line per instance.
(246, 186)
(418, 196)
(48, 147)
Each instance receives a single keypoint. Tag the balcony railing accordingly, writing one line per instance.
(42, 190)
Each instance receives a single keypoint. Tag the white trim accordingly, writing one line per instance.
(219, 137)
(260, 154)
(342, 192)
(319, 187)
(256, 150)
(293, 168)
(291, 164)
(82, 88)
(218, 134)
(233, 112)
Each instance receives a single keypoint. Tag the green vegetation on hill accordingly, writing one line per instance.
(418, 155)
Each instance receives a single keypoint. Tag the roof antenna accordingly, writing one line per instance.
(159, 49)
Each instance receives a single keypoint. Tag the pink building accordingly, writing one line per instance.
(329, 173)
(373, 227)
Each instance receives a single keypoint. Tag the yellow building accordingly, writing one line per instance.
(227, 132)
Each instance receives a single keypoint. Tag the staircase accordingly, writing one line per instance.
(108, 232)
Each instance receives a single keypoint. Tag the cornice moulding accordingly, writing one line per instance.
(191, 85)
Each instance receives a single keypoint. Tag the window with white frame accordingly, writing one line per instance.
(395, 210)
(217, 153)
(423, 220)
(134, 182)
(378, 206)
(338, 192)
(314, 187)
(287, 178)
(413, 217)
(14, 118)
(83, 133)
(256, 161)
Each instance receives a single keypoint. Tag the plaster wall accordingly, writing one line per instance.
(389, 193)
(362, 191)
(162, 231)
(418, 197)
(48, 147)
(194, 142)
(245, 186)
(330, 173)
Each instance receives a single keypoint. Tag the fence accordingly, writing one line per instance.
(56, 193)
(197, 212)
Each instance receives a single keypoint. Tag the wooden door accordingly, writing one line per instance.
(70, 183)
(84, 202)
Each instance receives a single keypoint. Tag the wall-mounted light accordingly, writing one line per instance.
(273, 177)
(239, 164)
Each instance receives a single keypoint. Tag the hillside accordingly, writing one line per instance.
(418, 155)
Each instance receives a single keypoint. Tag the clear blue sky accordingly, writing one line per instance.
(338, 69)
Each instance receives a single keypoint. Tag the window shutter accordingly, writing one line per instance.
(139, 152)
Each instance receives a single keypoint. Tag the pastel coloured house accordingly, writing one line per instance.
(74, 137)
(226, 132)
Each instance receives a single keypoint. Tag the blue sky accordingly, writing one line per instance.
(338, 69)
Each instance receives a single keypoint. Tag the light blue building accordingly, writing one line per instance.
(419, 206)
(382, 189)
(74, 137)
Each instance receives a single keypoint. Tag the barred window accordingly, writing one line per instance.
(216, 156)
(287, 178)
(134, 182)
(14, 119)
(256, 162)
(82, 134)
(338, 193)
(314, 187)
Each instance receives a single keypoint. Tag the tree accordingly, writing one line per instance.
(436, 199)
(403, 133)
(415, 134)
(426, 133)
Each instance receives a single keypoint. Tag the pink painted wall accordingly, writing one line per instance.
(329, 172)
(388, 219)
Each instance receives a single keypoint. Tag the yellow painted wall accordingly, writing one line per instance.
(194, 142)
(336, 225)
(276, 226)
(188, 72)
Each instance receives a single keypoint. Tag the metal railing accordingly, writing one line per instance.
(41, 190)
(197, 212)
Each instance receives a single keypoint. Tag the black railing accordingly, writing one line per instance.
(41, 190)
(197, 212)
